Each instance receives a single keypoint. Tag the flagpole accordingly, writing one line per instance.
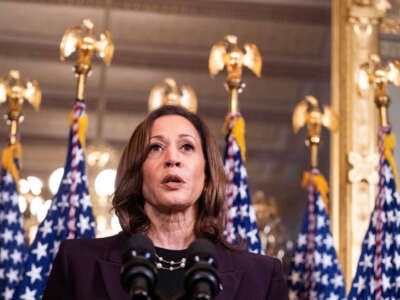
(227, 54)
(382, 102)
(234, 104)
(307, 113)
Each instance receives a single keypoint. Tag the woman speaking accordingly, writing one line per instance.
(170, 187)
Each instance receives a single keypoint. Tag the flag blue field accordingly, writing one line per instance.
(314, 271)
(70, 215)
(378, 269)
(241, 219)
(13, 247)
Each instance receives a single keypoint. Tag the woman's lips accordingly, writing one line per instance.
(172, 178)
(172, 181)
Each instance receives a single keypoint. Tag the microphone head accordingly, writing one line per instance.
(201, 276)
(138, 272)
(201, 250)
(138, 245)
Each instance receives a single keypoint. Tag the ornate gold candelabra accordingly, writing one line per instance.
(168, 93)
(16, 91)
(307, 112)
(227, 54)
(81, 39)
(374, 75)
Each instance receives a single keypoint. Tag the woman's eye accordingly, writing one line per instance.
(155, 148)
(188, 147)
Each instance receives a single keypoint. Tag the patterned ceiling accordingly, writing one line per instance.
(158, 39)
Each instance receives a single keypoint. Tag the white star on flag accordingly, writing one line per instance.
(34, 273)
(29, 294)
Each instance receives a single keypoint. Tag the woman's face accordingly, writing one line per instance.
(174, 169)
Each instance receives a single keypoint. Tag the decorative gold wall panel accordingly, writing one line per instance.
(354, 156)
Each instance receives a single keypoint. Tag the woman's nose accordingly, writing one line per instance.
(172, 163)
(172, 158)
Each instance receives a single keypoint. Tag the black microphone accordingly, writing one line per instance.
(138, 271)
(201, 277)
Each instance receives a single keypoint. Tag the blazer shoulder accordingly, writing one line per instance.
(241, 259)
(92, 246)
(260, 274)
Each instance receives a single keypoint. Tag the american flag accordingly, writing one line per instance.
(70, 215)
(241, 218)
(378, 269)
(314, 270)
(13, 247)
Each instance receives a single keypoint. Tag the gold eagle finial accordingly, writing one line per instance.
(227, 54)
(168, 93)
(307, 113)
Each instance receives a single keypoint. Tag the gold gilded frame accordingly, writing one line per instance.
(354, 158)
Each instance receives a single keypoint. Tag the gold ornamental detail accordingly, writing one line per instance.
(81, 39)
(16, 91)
(168, 93)
(308, 113)
(227, 54)
(364, 168)
(390, 26)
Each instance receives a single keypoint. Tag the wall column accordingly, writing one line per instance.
(354, 156)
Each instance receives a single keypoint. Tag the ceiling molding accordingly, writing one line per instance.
(171, 60)
(295, 13)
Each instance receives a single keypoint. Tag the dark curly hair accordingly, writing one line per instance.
(128, 200)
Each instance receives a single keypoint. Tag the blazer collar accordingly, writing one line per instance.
(110, 266)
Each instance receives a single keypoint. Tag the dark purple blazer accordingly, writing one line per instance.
(90, 269)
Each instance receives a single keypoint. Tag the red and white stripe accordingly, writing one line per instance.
(383, 130)
(79, 110)
(310, 282)
(230, 170)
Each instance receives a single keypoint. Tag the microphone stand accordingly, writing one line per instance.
(155, 295)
